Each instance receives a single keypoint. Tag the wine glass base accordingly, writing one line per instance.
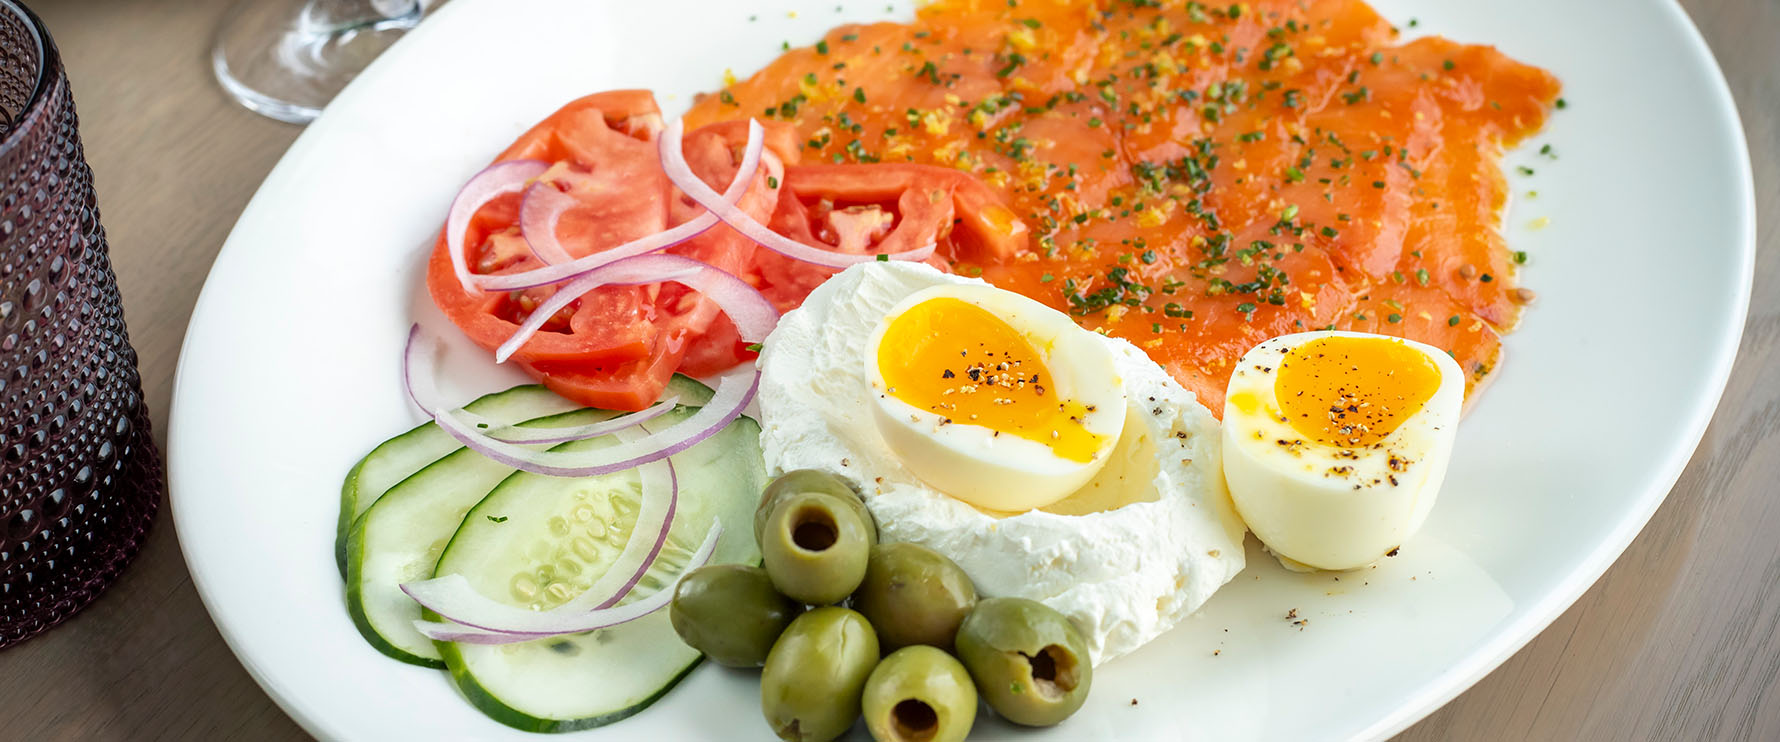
(275, 59)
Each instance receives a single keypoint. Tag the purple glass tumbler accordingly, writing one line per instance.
(80, 478)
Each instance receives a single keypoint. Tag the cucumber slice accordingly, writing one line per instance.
(401, 536)
(538, 540)
(400, 457)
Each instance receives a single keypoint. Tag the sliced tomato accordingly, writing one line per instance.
(600, 137)
(718, 349)
(882, 208)
(617, 346)
(630, 111)
(714, 153)
(624, 385)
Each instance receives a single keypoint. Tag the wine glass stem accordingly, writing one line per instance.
(333, 16)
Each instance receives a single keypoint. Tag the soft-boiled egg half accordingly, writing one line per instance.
(993, 398)
(1335, 443)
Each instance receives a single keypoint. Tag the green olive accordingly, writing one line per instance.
(919, 694)
(814, 547)
(811, 685)
(1029, 662)
(811, 480)
(914, 595)
(731, 613)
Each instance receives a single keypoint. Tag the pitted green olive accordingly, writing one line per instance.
(815, 548)
(919, 694)
(1029, 662)
(811, 480)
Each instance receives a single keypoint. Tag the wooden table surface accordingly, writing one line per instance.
(1680, 639)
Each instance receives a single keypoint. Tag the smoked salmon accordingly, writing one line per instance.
(1193, 178)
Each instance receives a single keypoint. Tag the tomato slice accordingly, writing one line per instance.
(882, 208)
(718, 349)
(603, 137)
(714, 153)
(624, 385)
(617, 346)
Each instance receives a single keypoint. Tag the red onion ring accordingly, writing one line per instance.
(515, 434)
(539, 211)
(655, 518)
(494, 181)
(620, 273)
(673, 162)
(549, 623)
(733, 392)
(751, 160)
(753, 314)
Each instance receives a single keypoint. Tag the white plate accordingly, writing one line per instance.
(289, 373)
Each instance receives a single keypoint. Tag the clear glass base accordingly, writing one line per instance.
(285, 59)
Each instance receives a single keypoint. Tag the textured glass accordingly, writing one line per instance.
(80, 479)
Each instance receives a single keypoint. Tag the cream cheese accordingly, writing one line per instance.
(1131, 554)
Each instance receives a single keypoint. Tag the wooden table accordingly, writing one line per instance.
(1680, 639)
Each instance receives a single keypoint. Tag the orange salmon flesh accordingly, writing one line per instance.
(1196, 179)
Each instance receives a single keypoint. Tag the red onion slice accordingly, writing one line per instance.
(673, 161)
(549, 623)
(539, 212)
(751, 158)
(458, 602)
(733, 392)
(493, 182)
(753, 314)
(514, 434)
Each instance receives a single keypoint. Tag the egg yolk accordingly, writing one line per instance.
(959, 361)
(1352, 392)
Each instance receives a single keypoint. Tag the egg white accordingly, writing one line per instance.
(1317, 506)
(1127, 556)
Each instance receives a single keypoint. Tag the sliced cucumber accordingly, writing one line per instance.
(400, 457)
(538, 540)
(405, 528)
(401, 536)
